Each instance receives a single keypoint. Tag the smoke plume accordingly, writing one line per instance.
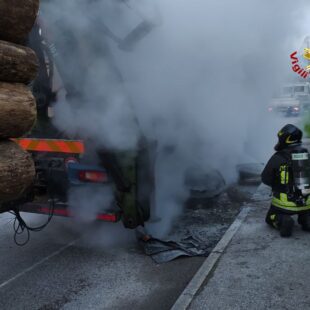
(199, 82)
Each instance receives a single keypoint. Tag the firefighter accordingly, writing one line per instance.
(288, 174)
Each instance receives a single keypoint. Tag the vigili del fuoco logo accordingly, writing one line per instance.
(297, 67)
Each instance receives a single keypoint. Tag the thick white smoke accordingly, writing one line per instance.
(199, 83)
(86, 202)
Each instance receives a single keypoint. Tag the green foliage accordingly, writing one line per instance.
(306, 125)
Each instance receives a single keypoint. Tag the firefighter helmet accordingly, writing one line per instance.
(288, 135)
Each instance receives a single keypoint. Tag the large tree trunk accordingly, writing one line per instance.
(17, 110)
(17, 171)
(18, 64)
(17, 19)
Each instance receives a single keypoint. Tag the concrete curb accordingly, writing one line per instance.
(185, 299)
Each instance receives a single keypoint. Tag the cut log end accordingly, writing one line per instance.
(18, 64)
(17, 110)
(17, 19)
(17, 171)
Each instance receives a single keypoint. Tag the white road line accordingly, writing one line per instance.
(185, 299)
(38, 263)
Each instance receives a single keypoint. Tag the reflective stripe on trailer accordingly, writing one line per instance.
(61, 211)
(51, 145)
(110, 217)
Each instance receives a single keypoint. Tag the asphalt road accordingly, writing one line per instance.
(74, 266)
(70, 265)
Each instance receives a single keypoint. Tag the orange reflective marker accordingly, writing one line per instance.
(51, 145)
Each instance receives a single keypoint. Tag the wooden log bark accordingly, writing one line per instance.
(18, 64)
(17, 171)
(17, 110)
(17, 19)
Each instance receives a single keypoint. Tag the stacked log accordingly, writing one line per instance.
(17, 110)
(17, 19)
(16, 170)
(18, 67)
(18, 63)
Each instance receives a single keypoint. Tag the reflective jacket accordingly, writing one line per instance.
(278, 175)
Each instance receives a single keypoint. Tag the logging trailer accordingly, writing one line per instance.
(63, 164)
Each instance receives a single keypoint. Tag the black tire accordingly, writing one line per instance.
(250, 174)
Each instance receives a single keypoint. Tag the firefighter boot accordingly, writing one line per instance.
(272, 219)
(304, 221)
(286, 224)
